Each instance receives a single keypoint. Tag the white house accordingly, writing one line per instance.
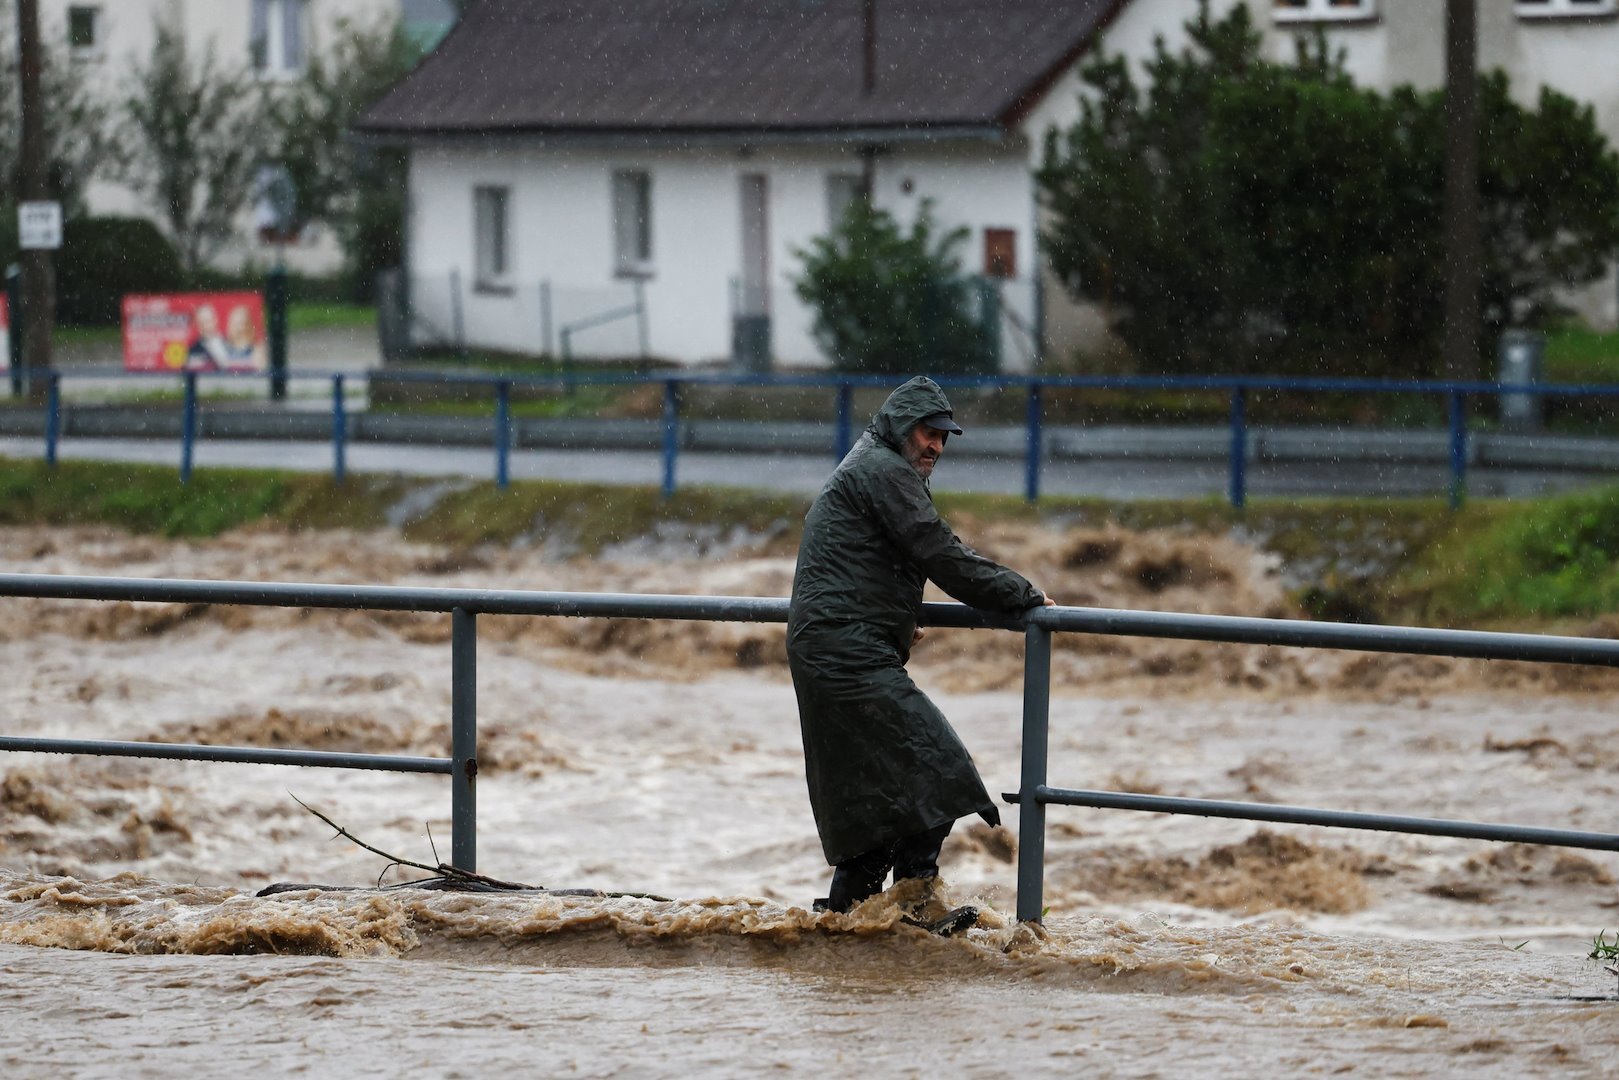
(107, 40)
(637, 177)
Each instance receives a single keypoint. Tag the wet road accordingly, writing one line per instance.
(804, 473)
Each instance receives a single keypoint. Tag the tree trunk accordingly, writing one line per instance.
(38, 267)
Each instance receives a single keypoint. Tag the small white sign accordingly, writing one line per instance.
(39, 225)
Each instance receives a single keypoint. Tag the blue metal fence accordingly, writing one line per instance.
(1039, 626)
(1239, 389)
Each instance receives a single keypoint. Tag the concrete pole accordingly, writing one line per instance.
(1464, 250)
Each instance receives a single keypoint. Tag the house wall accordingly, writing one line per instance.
(561, 228)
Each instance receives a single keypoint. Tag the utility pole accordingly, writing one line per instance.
(1464, 253)
(38, 269)
(868, 86)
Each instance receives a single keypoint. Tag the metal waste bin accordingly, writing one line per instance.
(1520, 361)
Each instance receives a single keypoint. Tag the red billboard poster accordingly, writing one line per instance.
(221, 331)
(5, 334)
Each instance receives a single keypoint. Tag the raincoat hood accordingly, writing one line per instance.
(905, 408)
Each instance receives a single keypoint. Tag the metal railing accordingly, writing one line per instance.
(1239, 389)
(1034, 794)
(1038, 626)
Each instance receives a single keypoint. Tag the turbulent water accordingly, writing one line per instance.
(664, 759)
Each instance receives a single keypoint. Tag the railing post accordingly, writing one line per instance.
(641, 328)
(188, 427)
(503, 433)
(545, 317)
(1239, 446)
(840, 445)
(671, 434)
(53, 417)
(340, 426)
(457, 318)
(567, 361)
(1031, 866)
(464, 739)
(1031, 466)
(1458, 448)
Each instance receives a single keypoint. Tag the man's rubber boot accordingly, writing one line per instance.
(953, 923)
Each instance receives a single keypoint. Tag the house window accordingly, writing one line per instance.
(1323, 10)
(632, 222)
(84, 29)
(1544, 9)
(1000, 253)
(842, 189)
(491, 231)
(277, 42)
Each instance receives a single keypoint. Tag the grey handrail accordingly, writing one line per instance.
(1039, 626)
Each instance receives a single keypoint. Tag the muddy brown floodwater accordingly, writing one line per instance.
(664, 758)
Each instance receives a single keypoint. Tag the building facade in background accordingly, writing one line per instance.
(637, 178)
(107, 40)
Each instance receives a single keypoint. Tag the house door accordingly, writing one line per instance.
(750, 334)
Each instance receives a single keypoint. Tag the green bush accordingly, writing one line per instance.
(892, 301)
(301, 288)
(102, 258)
(1551, 558)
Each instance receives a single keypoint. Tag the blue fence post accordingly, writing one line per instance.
(53, 417)
(503, 433)
(464, 739)
(340, 424)
(671, 434)
(188, 427)
(1031, 465)
(14, 311)
(840, 441)
(1239, 446)
(1458, 448)
(1031, 864)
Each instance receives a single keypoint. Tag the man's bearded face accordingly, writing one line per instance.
(922, 449)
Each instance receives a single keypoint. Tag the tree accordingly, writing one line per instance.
(890, 300)
(358, 191)
(195, 142)
(1240, 214)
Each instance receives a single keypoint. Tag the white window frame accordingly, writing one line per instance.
(1325, 11)
(632, 223)
(271, 52)
(1565, 9)
(98, 20)
(492, 237)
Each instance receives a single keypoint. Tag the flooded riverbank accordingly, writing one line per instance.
(664, 759)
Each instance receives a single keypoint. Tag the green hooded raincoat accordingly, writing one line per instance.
(881, 760)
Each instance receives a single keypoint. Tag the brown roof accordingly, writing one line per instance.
(623, 66)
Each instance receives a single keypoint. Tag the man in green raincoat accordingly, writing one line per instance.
(888, 776)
